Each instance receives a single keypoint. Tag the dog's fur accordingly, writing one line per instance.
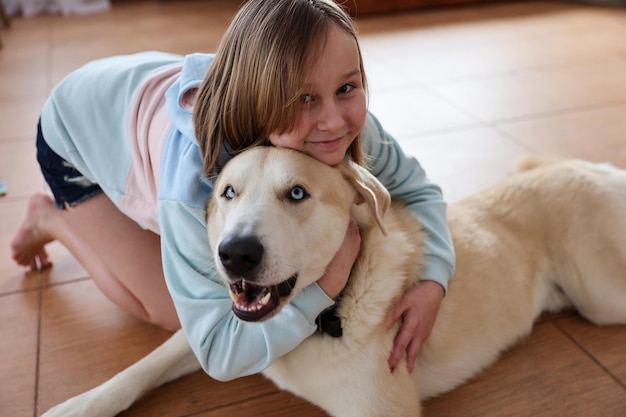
(543, 240)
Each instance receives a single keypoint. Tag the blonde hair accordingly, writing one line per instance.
(253, 87)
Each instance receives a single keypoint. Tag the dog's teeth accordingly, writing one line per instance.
(248, 308)
(232, 295)
(266, 299)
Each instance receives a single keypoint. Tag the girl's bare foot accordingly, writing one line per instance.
(28, 244)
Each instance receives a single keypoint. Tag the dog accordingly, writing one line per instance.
(543, 240)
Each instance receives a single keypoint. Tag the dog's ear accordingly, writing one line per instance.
(369, 188)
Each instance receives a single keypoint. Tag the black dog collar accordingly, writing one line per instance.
(328, 322)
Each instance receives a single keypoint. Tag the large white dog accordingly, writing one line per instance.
(550, 238)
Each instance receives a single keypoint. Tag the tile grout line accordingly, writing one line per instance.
(556, 113)
(522, 118)
(497, 125)
(590, 356)
(38, 350)
(227, 405)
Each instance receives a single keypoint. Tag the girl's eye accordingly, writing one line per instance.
(345, 89)
(297, 193)
(229, 192)
(307, 98)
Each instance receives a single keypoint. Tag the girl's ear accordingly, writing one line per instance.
(369, 190)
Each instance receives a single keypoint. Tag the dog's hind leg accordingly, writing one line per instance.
(595, 280)
(172, 360)
(598, 289)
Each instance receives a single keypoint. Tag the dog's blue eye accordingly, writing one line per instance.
(229, 192)
(297, 193)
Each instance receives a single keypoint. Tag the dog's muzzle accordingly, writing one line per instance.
(241, 257)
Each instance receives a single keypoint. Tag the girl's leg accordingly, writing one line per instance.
(123, 259)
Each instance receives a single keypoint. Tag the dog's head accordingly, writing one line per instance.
(276, 219)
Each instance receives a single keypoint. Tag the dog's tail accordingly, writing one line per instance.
(530, 162)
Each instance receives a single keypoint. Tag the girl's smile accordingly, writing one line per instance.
(327, 144)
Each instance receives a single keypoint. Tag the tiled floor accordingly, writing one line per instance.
(466, 90)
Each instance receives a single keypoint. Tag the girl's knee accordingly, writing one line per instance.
(166, 320)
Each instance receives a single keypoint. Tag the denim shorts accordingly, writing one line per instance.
(68, 186)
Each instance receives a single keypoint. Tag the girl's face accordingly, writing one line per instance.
(334, 106)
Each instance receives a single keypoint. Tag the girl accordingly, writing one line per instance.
(128, 145)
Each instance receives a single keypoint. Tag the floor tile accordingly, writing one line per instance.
(457, 62)
(85, 340)
(24, 36)
(596, 134)
(276, 405)
(537, 93)
(23, 76)
(18, 345)
(465, 45)
(201, 393)
(605, 344)
(73, 30)
(547, 375)
(415, 110)
(18, 120)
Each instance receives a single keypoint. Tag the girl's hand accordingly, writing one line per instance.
(338, 270)
(418, 309)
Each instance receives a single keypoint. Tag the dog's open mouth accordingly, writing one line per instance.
(253, 302)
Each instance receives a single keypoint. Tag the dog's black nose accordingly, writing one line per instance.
(240, 255)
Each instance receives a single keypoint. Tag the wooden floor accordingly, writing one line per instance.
(466, 90)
